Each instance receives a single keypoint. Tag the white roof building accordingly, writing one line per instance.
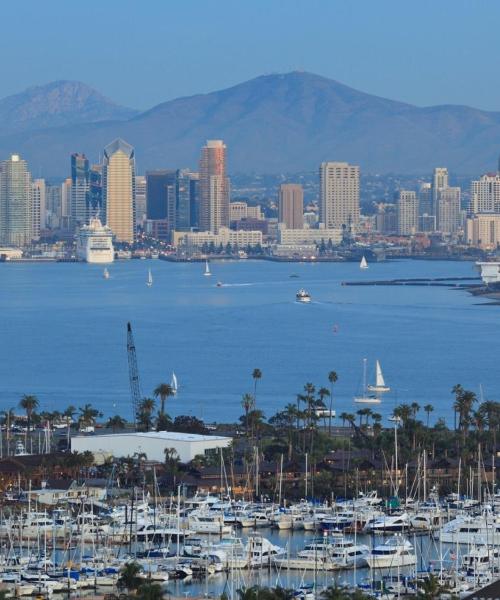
(151, 443)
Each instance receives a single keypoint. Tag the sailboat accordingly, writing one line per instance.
(149, 282)
(380, 387)
(105, 274)
(363, 264)
(365, 398)
(173, 383)
(207, 269)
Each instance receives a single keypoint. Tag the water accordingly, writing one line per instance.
(63, 334)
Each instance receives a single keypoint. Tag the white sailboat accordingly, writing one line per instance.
(149, 282)
(363, 264)
(365, 398)
(173, 383)
(207, 272)
(380, 386)
(105, 274)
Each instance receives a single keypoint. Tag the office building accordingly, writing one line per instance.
(407, 207)
(240, 238)
(339, 196)
(160, 186)
(485, 195)
(439, 182)
(80, 189)
(213, 187)
(38, 208)
(119, 190)
(448, 216)
(65, 204)
(15, 202)
(425, 206)
(291, 206)
(95, 193)
(483, 231)
(140, 200)
(53, 205)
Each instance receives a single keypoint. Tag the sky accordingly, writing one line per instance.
(142, 53)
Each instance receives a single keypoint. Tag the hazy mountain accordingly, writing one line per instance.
(283, 123)
(55, 104)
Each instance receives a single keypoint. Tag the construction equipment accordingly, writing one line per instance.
(133, 372)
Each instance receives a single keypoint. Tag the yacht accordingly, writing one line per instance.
(105, 274)
(467, 529)
(396, 552)
(303, 296)
(207, 272)
(388, 523)
(365, 398)
(363, 264)
(94, 243)
(380, 386)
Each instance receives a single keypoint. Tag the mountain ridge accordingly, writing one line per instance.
(279, 123)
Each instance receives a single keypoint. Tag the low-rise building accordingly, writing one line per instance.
(152, 444)
(225, 236)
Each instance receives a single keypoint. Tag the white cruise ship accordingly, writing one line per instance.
(94, 242)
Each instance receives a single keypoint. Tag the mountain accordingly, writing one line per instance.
(56, 104)
(279, 123)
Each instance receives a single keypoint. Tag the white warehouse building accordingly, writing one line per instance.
(151, 443)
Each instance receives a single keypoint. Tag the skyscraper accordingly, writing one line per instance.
(157, 193)
(80, 189)
(119, 189)
(339, 195)
(448, 218)
(439, 182)
(140, 200)
(291, 206)
(407, 212)
(95, 192)
(38, 207)
(213, 187)
(15, 202)
(485, 195)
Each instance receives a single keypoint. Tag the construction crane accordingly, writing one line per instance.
(133, 372)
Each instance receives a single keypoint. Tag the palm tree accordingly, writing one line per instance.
(145, 412)
(29, 404)
(428, 408)
(164, 391)
(88, 414)
(415, 407)
(247, 402)
(150, 591)
(323, 393)
(129, 577)
(116, 422)
(332, 378)
(256, 376)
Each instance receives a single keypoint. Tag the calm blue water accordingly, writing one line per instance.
(63, 334)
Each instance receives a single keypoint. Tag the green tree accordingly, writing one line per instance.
(332, 378)
(163, 391)
(116, 422)
(428, 408)
(247, 402)
(145, 413)
(129, 577)
(29, 404)
(256, 376)
(88, 415)
(149, 591)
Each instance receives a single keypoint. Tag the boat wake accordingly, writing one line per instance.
(236, 284)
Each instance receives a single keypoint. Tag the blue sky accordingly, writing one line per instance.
(141, 53)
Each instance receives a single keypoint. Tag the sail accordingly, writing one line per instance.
(173, 383)
(379, 378)
(363, 264)
(207, 268)
(150, 277)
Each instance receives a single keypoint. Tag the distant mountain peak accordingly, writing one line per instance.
(58, 103)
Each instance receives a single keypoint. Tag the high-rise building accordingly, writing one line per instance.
(291, 206)
(485, 195)
(53, 196)
(15, 202)
(118, 178)
(439, 182)
(95, 193)
(448, 217)
(339, 195)
(185, 200)
(194, 186)
(407, 212)
(65, 203)
(425, 200)
(157, 193)
(214, 187)
(140, 200)
(38, 207)
(80, 188)
(483, 231)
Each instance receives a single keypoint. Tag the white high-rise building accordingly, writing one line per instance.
(448, 217)
(439, 182)
(407, 212)
(485, 194)
(339, 195)
(118, 189)
(16, 224)
(39, 207)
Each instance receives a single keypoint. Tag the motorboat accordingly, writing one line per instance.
(396, 552)
(303, 296)
(388, 524)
